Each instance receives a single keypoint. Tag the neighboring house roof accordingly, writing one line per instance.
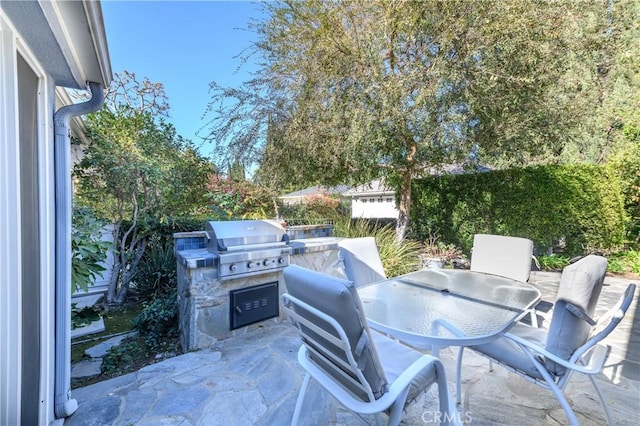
(315, 190)
(375, 187)
(67, 37)
(378, 186)
(456, 169)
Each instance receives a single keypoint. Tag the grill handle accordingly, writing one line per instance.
(219, 244)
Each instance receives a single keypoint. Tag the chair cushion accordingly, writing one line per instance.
(361, 260)
(339, 299)
(507, 352)
(501, 255)
(396, 358)
(580, 286)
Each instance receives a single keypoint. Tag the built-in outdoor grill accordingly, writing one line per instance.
(248, 247)
(230, 276)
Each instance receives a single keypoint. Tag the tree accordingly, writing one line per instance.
(137, 172)
(352, 90)
(239, 198)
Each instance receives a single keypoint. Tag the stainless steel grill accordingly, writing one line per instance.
(248, 247)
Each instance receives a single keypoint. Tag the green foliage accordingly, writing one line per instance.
(553, 262)
(348, 91)
(625, 262)
(314, 209)
(239, 199)
(157, 270)
(84, 316)
(397, 258)
(576, 209)
(438, 250)
(88, 250)
(158, 319)
(122, 358)
(137, 170)
(625, 164)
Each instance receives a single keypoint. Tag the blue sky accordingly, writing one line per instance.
(184, 45)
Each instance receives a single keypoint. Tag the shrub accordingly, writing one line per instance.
(83, 316)
(156, 274)
(88, 250)
(576, 209)
(315, 209)
(158, 319)
(122, 358)
(397, 258)
(553, 262)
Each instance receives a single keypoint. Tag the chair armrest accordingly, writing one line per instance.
(407, 376)
(599, 355)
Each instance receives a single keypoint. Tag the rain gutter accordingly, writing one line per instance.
(64, 405)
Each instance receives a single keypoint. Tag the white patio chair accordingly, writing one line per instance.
(363, 370)
(361, 259)
(501, 255)
(572, 344)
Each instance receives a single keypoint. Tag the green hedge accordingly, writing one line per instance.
(576, 208)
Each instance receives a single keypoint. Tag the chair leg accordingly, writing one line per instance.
(602, 402)
(395, 414)
(458, 376)
(448, 410)
(556, 391)
(300, 400)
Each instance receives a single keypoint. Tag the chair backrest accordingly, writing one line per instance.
(576, 301)
(609, 321)
(501, 255)
(362, 263)
(328, 314)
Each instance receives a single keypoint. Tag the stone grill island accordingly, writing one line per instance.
(212, 306)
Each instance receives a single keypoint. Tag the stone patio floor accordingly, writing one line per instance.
(254, 378)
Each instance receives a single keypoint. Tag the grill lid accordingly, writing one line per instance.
(244, 234)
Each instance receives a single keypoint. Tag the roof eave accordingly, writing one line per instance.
(78, 28)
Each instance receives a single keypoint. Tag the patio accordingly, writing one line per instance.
(253, 379)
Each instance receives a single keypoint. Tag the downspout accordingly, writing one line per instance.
(64, 405)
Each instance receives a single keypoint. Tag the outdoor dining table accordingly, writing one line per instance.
(438, 308)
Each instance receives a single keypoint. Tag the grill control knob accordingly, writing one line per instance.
(266, 262)
(281, 260)
(250, 265)
(232, 267)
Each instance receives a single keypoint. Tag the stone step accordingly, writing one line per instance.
(93, 328)
(102, 348)
(86, 369)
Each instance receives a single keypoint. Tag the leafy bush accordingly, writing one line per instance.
(239, 199)
(156, 274)
(158, 319)
(88, 250)
(397, 258)
(123, 357)
(553, 262)
(83, 316)
(314, 209)
(625, 164)
(579, 206)
(623, 262)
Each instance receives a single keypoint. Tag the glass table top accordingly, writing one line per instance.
(446, 307)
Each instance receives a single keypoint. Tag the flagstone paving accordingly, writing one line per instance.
(254, 378)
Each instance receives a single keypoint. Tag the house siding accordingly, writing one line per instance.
(26, 233)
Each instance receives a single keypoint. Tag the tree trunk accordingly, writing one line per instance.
(115, 269)
(403, 207)
(130, 272)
